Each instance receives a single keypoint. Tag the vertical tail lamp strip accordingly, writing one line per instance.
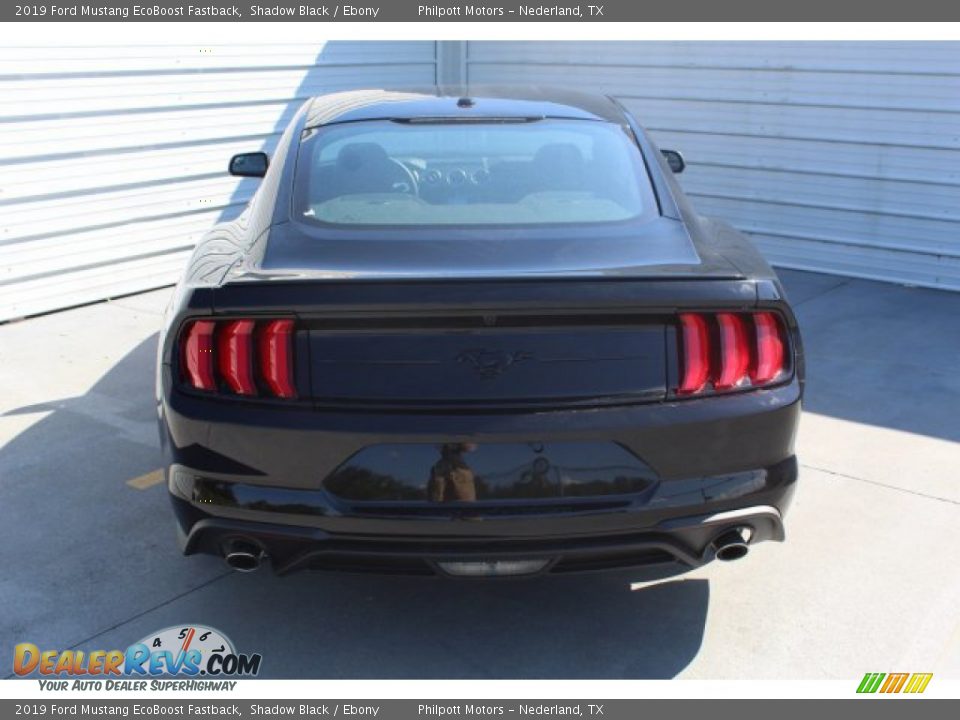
(276, 357)
(696, 353)
(734, 351)
(235, 356)
(198, 355)
(769, 359)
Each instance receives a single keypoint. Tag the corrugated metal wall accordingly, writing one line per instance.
(112, 159)
(838, 157)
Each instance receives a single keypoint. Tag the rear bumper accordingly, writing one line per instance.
(257, 474)
(684, 542)
(307, 535)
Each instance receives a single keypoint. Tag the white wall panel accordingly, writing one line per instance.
(838, 157)
(112, 158)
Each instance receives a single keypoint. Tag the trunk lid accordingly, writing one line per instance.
(460, 361)
(655, 249)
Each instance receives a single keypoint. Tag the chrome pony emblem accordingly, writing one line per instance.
(492, 363)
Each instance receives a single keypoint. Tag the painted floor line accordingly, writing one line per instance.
(143, 482)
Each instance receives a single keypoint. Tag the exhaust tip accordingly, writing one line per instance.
(734, 551)
(243, 555)
(732, 544)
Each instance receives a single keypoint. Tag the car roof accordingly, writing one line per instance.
(462, 103)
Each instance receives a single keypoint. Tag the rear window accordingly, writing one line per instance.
(375, 173)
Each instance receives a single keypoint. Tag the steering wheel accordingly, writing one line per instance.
(406, 181)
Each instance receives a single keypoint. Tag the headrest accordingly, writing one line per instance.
(356, 155)
(563, 154)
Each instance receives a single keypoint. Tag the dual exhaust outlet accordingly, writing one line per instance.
(732, 544)
(244, 555)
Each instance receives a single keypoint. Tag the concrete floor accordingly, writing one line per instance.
(868, 580)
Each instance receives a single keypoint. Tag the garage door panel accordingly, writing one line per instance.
(87, 136)
(85, 285)
(873, 57)
(113, 159)
(850, 260)
(789, 87)
(920, 165)
(110, 59)
(111, 94)
(865, 230)
(47, 217)
(867, 195)
(80, 175)
(840, 157)
(102, 245)
(838, 125)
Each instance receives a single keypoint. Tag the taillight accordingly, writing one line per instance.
(734, 352)
(197, 343)
(235, 356)
(695, 351)
(276, 358)
(769, 359)
(726, 351)
(239, 357)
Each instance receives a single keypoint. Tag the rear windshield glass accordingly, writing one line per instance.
(471, 174)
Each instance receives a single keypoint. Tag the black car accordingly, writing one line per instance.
(476, 332)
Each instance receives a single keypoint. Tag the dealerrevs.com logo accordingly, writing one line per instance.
(180, 651)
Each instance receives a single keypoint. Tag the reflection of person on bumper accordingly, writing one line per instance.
(451, 479)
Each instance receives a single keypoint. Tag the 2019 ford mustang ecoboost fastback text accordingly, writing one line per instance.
(473, 332)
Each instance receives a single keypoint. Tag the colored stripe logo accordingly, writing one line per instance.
(913, 683)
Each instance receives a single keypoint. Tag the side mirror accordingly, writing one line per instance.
(674, 160)
(249, 164)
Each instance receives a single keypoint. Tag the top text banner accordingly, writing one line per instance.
(508, 11)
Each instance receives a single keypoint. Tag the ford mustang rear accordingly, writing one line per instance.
(476, 333)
